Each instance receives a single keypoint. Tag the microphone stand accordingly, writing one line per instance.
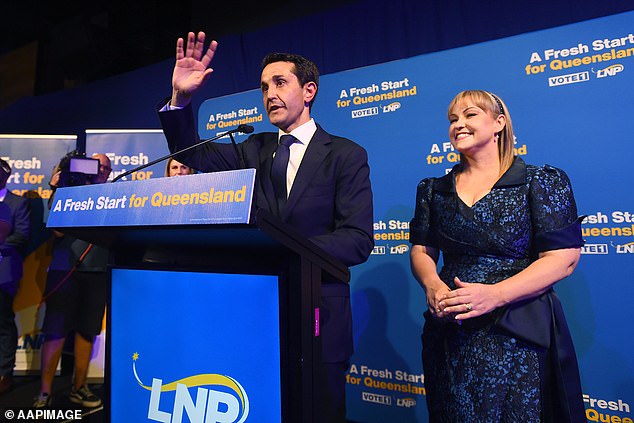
(235, 148)
(242, 128)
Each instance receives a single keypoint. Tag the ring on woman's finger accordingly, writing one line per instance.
(469, 306)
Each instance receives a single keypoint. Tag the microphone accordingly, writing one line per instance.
(245, 129)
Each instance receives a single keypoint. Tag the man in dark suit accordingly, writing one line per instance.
(12, 250)
(323, 191)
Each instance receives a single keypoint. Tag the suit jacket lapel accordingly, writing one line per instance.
(317, 151)
(266, 159)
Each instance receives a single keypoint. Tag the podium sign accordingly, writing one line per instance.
(211, 318)
(199, 347)
(207, 198)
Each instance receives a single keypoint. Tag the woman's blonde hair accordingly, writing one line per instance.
(494, 105)
(169, 162)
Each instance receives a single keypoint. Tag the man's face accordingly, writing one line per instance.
(285, 100)
(104, 168)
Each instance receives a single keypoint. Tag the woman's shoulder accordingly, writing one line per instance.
(427, 181)
(442, 183)
(545, 173)
(546, 180)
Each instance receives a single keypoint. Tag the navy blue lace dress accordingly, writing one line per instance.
(497, 367)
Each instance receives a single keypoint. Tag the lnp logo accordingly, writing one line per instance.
(376, 398)
(370, 111)
(571, 78)
(392, 107)
(594, 249)
(226, 403)
(609, 71)
(399, 249)
(405, 402)
(625, 248)
(378, 250)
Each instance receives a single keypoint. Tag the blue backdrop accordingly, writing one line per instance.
(568, 90)
(573, 113)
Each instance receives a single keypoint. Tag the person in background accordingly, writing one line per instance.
(496, 347)
(5, 223)
(12, 249)
(75, 296)
(317, 183)
(176, 168)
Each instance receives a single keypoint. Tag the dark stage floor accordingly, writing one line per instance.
(26, 388)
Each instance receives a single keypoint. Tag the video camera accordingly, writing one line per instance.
(77, 170)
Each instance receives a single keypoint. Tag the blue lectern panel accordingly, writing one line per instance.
(194, 347)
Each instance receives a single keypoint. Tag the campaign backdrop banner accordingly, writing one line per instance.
(128, 149)
(219, 115)
(569, 92)
(32, 159)
(211, 198)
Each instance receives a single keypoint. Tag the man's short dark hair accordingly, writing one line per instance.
(4, 166)
(305, 70)
(5, 172)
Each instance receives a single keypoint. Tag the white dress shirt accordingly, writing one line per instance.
(304, 133)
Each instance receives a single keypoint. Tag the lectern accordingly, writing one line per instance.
(207, 322)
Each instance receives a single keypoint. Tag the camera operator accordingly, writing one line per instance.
(75, 294)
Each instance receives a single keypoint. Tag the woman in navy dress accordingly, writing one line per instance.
(496, 347)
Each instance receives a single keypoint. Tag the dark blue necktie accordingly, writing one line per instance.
(278, 169)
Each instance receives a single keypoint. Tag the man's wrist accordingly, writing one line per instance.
(179, 100)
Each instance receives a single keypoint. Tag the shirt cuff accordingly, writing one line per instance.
(168, 106)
